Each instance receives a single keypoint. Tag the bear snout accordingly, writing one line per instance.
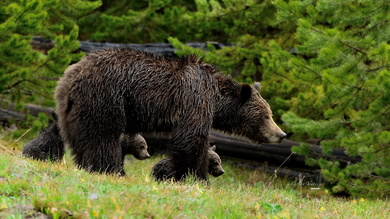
(282, 136)
(147, 155)
(277, 138)
(142, 156)
(218, 172)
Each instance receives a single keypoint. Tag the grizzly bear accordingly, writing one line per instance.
(164, 170)
(135, 145)
(115, 91)
(47, 146)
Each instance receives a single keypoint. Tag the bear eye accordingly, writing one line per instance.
(266, 117)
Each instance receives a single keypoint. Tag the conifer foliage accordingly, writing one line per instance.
(339, 80)
(331, 81)
(27, 75)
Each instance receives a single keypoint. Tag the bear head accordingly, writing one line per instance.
(135, 145)
(215, 164)
(242, 111)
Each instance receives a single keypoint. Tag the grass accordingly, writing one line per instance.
(60, 190)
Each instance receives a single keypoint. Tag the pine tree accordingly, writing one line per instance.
(339, 73)
(28, 76)
(332, 82)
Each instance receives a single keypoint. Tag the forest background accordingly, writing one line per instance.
(324, 66)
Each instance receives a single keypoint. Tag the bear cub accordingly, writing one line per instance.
(135, 145)
(48, 145)
(163, 169)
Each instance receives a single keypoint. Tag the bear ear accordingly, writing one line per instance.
(257, 86)
(246, 92)
(209, 68)
(213, 148)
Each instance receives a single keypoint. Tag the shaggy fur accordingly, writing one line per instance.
(110, 92)
(164, 169)
(47, 146)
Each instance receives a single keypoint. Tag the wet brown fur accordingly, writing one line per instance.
(110, 92)
(163, 170)
(47, 145)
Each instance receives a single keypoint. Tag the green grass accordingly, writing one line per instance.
(60, 190)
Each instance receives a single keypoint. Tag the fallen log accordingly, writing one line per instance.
(274, 154)
(40, 44)
(267, 157)
(33, 109)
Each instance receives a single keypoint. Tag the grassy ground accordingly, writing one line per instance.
(60, 190)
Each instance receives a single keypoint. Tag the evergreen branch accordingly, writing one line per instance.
(59, 17)
(21, 81)
(49, 79)
(380, 177)
(358, 88)
(377, 68)
(15, 84)
(344, 43)
(43, 64)
(349, 100)
(81, 9)
(53, 70)
(352, 47)
(318, 74)
(229, 13)
(354, 86)
(376, 151)
(27, 9)
(292, 12)
(350, 122)
(283, 76)
(72, 6)
(369, 29)
(318, 31)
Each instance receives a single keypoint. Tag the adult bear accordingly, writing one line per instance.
(110, 92)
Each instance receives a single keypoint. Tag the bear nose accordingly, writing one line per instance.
(282, 135)
(219, 173)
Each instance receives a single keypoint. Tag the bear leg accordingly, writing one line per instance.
(189, 149)
(103, 157)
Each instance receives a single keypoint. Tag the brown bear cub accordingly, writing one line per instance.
(163, 169)
(125, 91)
(47, 146)
(135, 145)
